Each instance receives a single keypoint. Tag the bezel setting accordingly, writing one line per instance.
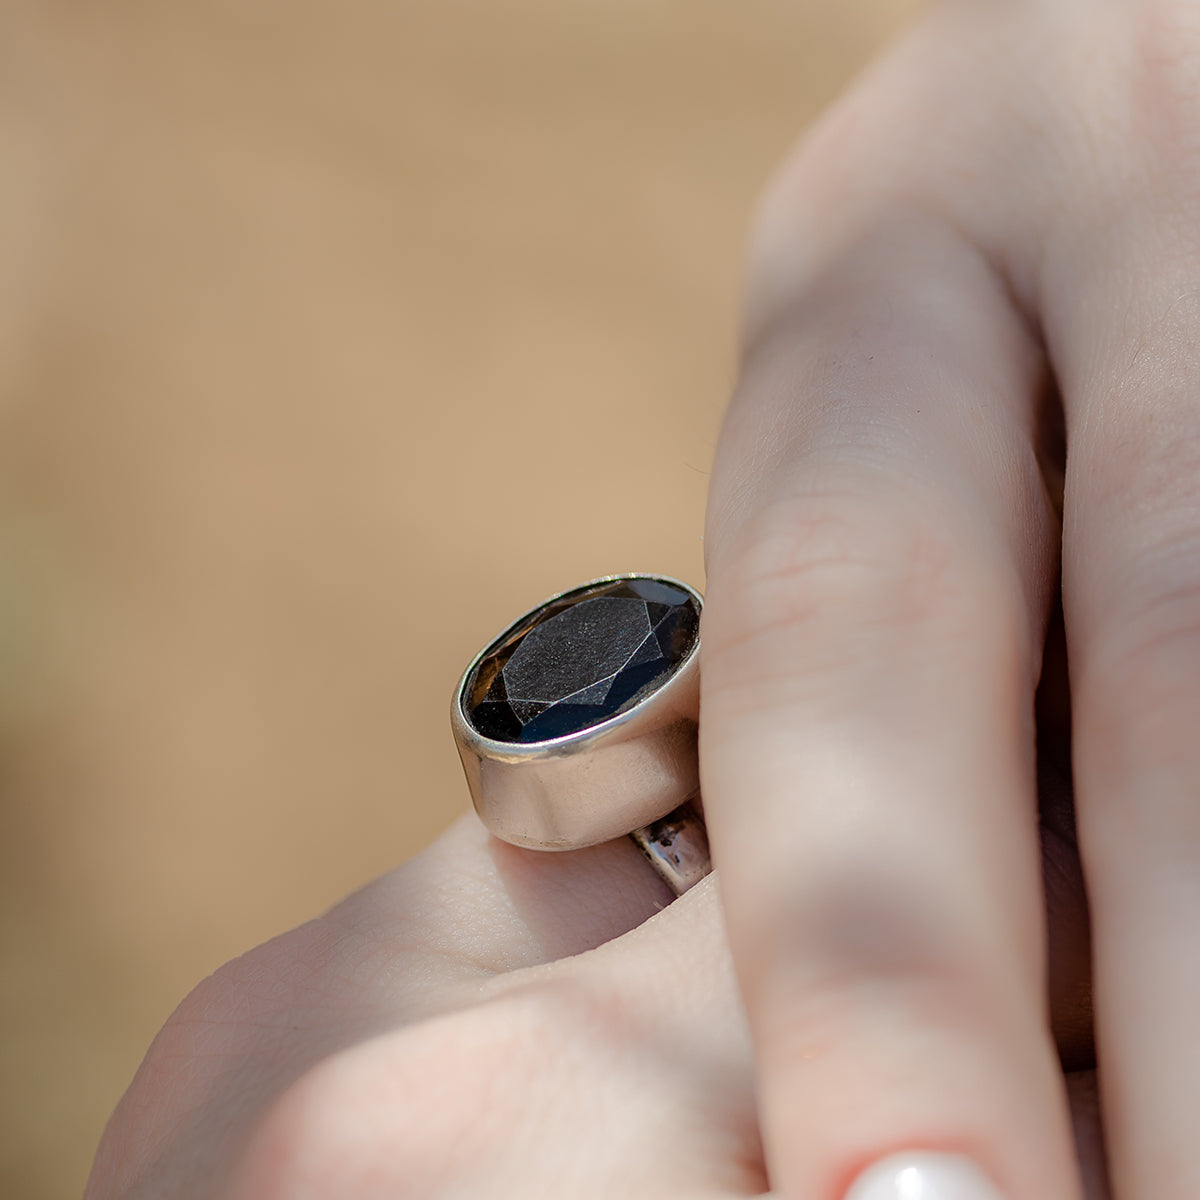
(611, 775)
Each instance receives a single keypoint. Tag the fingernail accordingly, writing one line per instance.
(923, 1176)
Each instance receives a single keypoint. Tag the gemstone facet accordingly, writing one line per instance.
(581, 659)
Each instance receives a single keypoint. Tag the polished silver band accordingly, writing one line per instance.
(612, 764)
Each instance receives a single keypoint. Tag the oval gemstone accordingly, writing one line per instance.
(581, 659)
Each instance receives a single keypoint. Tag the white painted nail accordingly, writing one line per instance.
(923, 1176)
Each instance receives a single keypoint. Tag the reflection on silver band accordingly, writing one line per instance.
(677, 847)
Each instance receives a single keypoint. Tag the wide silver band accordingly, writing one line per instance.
(621, 775)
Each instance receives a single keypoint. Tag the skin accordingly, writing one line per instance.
(482, 1021)
(969, 373)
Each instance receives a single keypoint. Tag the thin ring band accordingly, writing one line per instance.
(677, 847)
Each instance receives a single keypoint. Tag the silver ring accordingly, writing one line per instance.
(578, 724)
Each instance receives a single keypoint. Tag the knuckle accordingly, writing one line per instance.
(849, 574)
(1165, 40)
(374, 1114)
(207, 1036)
(1117, 97)
(423, 1112)
(1135, 100)
(315, 1138)
(222, 1050)
(195, 1062)
(885, 971)
(246, 1008)
(804, 555)
(783, 251)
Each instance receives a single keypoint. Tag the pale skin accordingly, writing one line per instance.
(1004, 211)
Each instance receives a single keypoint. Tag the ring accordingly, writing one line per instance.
(578, 724)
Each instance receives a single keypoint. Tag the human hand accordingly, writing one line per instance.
(433, 1037)
(430, 1037)
(1004, 210)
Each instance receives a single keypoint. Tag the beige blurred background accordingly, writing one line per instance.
(332, 336)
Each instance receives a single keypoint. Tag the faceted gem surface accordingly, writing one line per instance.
(584, 658)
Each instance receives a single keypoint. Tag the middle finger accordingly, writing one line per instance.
(882, 552)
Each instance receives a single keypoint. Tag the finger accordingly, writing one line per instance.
(1118, 286)
(880, 567)
(622, 1072)
(420, 940)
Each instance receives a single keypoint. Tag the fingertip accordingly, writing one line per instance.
(924, 1175)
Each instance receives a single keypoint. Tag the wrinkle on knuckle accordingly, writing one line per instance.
(837, 578)
(208, 1039)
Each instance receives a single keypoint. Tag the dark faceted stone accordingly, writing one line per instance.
(585, 658)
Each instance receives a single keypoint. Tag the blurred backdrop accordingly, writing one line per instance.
(333, 335)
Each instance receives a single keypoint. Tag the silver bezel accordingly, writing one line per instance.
(596, 784)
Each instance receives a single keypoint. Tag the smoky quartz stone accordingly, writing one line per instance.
(582, 658)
